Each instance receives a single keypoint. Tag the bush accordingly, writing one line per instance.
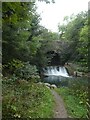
(80, 89)
(10, 80)
(25, 101)
(74, 104)
(11, 67)
(27, 71)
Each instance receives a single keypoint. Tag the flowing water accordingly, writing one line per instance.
(56, 71)
(59, 76)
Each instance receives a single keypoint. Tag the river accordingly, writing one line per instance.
(59, 76)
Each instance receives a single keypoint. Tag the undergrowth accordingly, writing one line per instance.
(74, 105)
(26, 100)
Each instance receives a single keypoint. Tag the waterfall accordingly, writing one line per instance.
(56, 71)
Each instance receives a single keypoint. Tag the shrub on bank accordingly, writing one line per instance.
(75, 98)
(26, 100)
(27, 71)
(17, 69)
(11, 67)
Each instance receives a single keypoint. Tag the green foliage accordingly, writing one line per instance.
(26, 100)
(74, 26)
(80, 89)
(62, 29)
(73, 104)
(20, 25)
(83, 49)
(41, 61)
(10, 80)
(21, 70)
(75, 31)
(27, 71)
(22, 32)
(15, 64)
(45, 34)
(24, 42)
(76, 98)
(12, 66)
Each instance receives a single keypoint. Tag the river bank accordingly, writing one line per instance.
(25, 99)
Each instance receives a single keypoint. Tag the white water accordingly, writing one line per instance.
(56, 71)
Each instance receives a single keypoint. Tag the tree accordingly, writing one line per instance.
(83, 45)
(62, 29)
(20, 25)
(45, 34)
(70, 31)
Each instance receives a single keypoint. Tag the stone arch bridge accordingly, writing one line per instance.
(56, 51)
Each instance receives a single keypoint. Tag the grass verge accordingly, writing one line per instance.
(26, 100)
(73, 105)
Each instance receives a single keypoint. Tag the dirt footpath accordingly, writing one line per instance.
(60, 111)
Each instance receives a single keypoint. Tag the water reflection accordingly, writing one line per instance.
(65, 81)
(57, 80)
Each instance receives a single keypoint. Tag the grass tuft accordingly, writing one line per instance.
(26, 100)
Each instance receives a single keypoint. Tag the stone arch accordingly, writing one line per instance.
(56, 59)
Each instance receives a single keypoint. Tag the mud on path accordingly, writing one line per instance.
(59, 111)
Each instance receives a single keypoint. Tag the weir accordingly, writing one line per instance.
(55, 71)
